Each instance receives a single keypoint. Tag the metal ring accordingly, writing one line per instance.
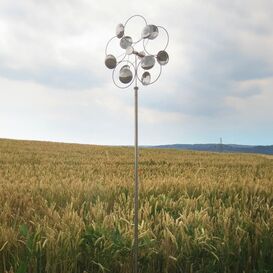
(108, 45)
(134, 75)
(136, 15)
(134, 43)
(144, 46)
(106, 49)
(168, 37)
(120, 56)
(153, 80)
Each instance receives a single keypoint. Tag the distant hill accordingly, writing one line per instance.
(227, 148)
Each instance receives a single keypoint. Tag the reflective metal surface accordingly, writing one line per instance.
(146, 78)
(125, 42)
(110, 61)
(120, 30)
(162, 57)
(156, 77)
(153, 32)
(116, 73)
(125, 74)
(129, 50)
(146, 32)
(147, 62)
(150, 32)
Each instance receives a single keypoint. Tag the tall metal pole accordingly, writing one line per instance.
(136, 180)
(146, 61)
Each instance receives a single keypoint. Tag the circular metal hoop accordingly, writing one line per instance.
(153, 80)
(134, 74)
(147, 41)
(106, 49)
(137, 15)
(168, 37)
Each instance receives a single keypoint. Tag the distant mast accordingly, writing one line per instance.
(221, 148)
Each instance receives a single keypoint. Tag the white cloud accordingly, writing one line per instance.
(52, 58)
(255, 108)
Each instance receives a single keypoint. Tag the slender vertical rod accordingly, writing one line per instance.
(136, 184)
(136, 181)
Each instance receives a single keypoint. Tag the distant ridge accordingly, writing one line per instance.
(210, 147)
(226, 148)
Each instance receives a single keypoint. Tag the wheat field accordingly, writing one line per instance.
(68, 208)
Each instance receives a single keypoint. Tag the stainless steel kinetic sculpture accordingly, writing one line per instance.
(134, 65)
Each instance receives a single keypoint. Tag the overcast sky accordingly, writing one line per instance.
(218, 82)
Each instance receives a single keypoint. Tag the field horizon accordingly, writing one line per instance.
(68, 208)
(177, 146)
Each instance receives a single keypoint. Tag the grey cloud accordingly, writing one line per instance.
(247, 92)
(214, 47)
(231, 63)
(212, 80)
(64, 78)
(221, 60)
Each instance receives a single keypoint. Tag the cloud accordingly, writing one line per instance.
(221, 64)
(224, 45)
(56, 77)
